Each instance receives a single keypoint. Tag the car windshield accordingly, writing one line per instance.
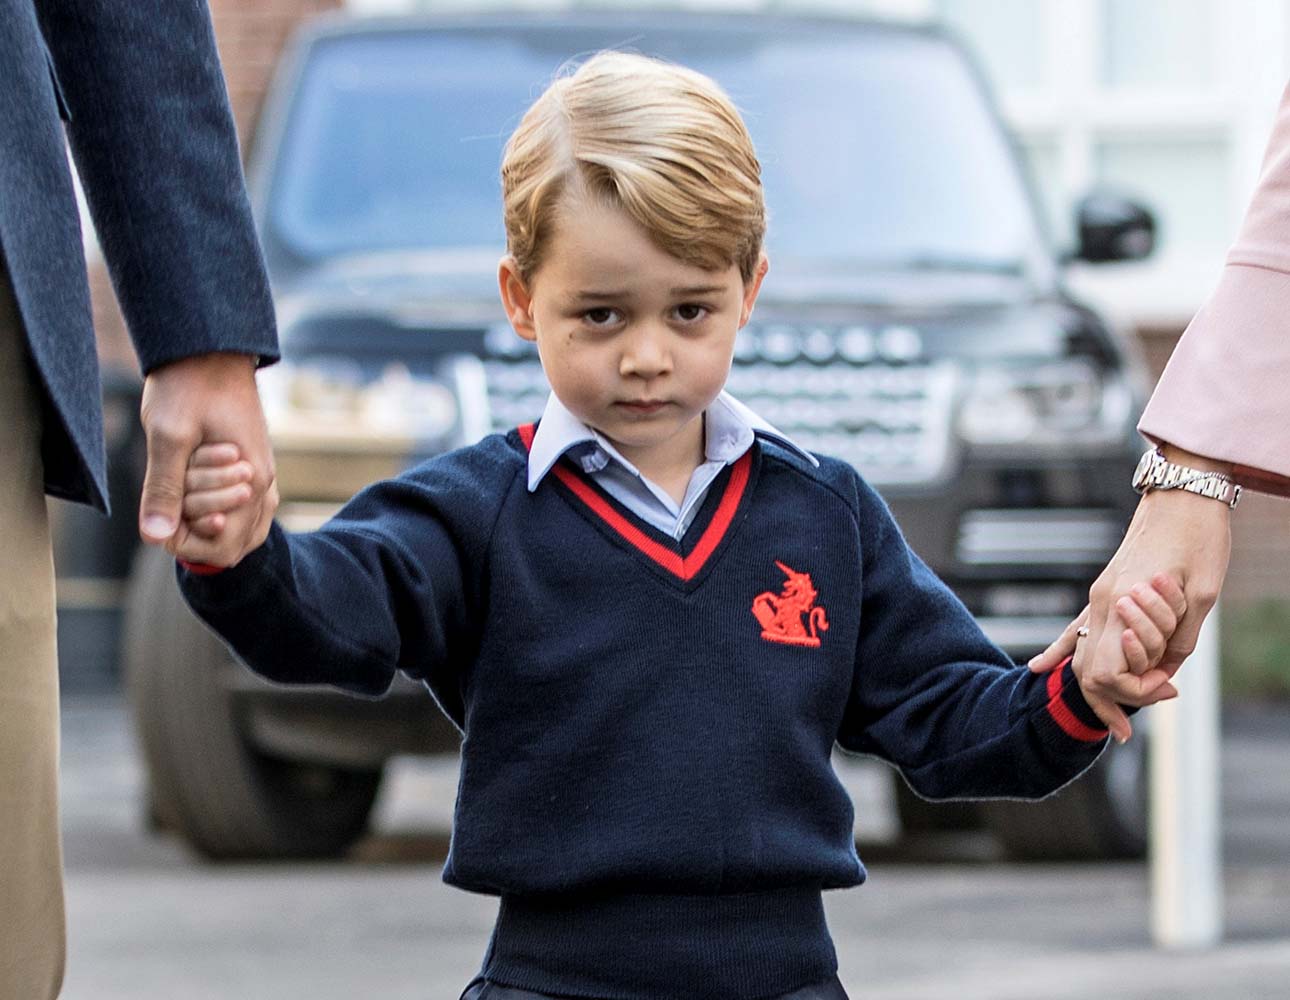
(877, 148)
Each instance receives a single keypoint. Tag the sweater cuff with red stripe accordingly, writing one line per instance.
(199, 569)
(1067, 708)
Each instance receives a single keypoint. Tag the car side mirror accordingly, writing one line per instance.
(1112, 227)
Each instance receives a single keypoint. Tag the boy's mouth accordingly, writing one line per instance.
(643, 405)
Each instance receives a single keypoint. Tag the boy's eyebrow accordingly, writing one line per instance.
(600, 294)
(596, 293)
(699, 290)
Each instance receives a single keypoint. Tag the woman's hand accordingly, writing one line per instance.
(1146, 618)
(1176, 539)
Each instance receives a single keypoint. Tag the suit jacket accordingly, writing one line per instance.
(1226, 390)
(138, 86)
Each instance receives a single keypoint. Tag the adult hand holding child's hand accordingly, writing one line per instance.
(202, 400)
(1123, 665)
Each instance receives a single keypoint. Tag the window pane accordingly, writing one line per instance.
(1006, 35)
(1158, 44)
(1184, 183)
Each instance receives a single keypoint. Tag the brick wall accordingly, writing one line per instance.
(251, 35)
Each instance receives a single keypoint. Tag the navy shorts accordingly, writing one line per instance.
(482, 989)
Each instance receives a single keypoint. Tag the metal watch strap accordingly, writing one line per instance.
(1166, 475)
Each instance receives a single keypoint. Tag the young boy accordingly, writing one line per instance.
(651, 614)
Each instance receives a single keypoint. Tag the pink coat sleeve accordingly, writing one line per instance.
(1225, 393)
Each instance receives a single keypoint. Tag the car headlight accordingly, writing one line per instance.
(1065, 402)
(335, 400)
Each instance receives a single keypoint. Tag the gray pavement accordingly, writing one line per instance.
(945, 920)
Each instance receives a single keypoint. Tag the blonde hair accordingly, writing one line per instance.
(660, 141)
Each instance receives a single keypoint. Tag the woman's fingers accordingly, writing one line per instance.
(1169, 588)
(1062, 647)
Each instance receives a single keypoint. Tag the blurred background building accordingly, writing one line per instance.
(1169, 101)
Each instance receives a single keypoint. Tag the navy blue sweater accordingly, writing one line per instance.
(646, 776)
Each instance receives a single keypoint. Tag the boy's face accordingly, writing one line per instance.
(635, 342)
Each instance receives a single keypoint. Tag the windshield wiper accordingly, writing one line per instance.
(852, 266)
(944, 262)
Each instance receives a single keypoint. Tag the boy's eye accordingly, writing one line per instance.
(602, 316)
(690, 312)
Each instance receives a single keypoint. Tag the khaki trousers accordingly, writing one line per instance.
(32, 922)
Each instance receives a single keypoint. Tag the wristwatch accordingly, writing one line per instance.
(1155, 472)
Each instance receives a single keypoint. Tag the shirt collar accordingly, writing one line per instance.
(731, 427)
(728, 415)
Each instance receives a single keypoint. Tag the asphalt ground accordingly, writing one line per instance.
(939, 918)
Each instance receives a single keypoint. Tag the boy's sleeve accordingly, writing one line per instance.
(393, 582)
(932, 695)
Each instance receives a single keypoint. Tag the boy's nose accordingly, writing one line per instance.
(646, 355)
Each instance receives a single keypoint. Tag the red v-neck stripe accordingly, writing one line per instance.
(684, 567)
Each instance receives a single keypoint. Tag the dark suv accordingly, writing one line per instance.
(914, 323)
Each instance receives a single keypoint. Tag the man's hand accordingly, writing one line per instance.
(204, 399)
(1174, 536)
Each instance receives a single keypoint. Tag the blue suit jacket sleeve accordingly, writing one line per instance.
(156, 149)
(932, 695)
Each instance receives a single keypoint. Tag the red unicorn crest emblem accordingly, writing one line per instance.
(781, 614)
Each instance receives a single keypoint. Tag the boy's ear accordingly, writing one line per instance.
(515, 298)
(752, 287)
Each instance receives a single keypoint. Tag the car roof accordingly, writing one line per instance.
(678, 20)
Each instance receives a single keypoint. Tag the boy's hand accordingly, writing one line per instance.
(1148, 617)
(1152, 613)
(216, 483)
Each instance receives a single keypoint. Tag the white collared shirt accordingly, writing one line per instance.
(730, 428)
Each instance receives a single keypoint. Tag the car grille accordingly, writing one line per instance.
(1041, 537)
(832, 390)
